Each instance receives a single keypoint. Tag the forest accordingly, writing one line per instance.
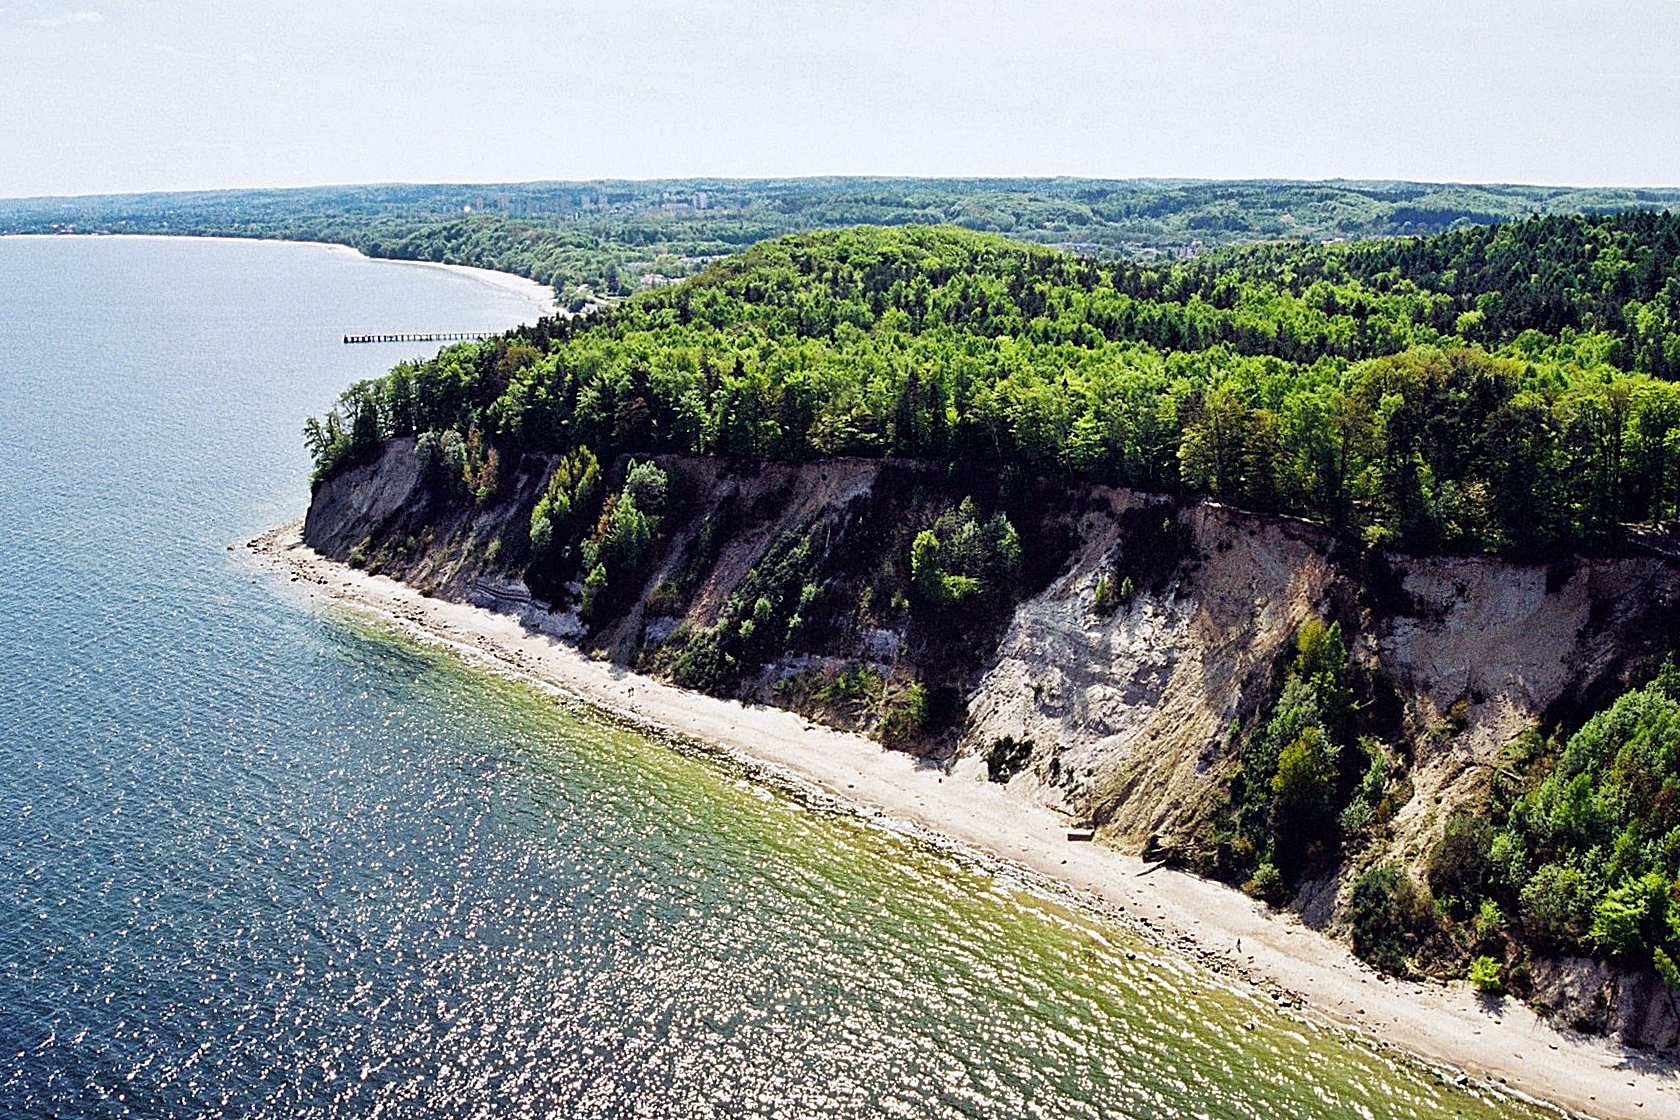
(598, 241)
(1501, 388)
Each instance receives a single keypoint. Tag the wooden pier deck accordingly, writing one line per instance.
(427, 336)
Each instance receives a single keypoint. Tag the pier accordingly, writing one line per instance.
(428, 336)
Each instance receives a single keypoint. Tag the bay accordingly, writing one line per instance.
(257, 861)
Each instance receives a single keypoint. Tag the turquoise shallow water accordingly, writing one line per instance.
(258, 862)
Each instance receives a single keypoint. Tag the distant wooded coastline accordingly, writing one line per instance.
(604, 239)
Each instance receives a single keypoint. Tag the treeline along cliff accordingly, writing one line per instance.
(1342, 572)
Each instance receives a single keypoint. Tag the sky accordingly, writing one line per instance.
(104, 96)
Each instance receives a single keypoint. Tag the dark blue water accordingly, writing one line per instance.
(258, 862)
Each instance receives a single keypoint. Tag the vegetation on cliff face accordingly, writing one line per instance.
(1302, 779)
(1580, 850)
(1576, 852)
(933, 563)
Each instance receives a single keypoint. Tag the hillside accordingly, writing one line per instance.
(1311, 568)
(608, 238)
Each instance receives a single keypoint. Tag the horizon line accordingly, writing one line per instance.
(1162, 180)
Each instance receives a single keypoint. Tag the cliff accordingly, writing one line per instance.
(1127, 709)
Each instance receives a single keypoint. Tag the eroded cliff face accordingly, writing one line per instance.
(1488, 649)
(835, 536)
(1131, 712)
(1131, 708)
(392, 515)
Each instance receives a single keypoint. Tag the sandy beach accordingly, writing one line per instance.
(1501, 1042)
(540, 296)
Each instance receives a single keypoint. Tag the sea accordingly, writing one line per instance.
(265, 859)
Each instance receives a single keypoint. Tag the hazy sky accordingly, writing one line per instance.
(119, 95)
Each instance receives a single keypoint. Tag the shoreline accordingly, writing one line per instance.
(539, 295)
(1501, 1043)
